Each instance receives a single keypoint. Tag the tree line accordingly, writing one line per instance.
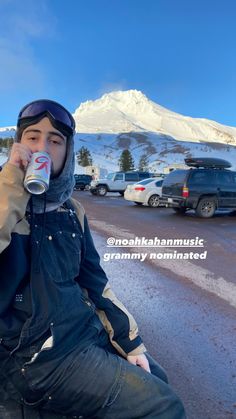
(84, 158)
(125, 161)
(6, 142)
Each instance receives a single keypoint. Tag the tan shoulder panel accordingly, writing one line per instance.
(13, 202)
(80, 212)
(22, 227)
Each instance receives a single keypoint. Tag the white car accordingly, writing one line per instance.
(147, 191)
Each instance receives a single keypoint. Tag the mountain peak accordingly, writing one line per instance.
(114, 99)
(131, 111)
(125, 95)
(118, 111)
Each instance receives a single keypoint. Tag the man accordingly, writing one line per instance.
(56, 354)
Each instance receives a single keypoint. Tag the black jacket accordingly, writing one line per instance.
(50, 275)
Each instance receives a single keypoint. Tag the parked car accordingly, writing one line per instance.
(82, 182)
(116, 182)
(147, 191)
(206, 186)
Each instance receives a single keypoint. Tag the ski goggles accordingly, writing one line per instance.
(45, 106)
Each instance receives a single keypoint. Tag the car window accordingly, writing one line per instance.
(175, 177)
(119, 176)
(201, 177)
(145, 182)
(110, 176)
(224, 178)
(159, 183)
(131, 177)
(143, 175)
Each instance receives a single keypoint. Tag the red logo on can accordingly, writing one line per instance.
(45, 163)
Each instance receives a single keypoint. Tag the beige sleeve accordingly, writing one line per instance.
(133, 328)
(109, 295)
(80, 212)
(13, 201)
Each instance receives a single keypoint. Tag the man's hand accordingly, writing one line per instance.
(20, 155)
(140, 360)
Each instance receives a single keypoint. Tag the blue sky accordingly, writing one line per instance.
(180, 53)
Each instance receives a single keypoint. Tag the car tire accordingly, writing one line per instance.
(154, 201)
(86, 187)
(138, 203)
(180, 210)
(102, 190)
(206, 207)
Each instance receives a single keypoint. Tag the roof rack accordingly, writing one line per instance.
(207, 162)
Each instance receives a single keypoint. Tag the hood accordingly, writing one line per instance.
(61, 187)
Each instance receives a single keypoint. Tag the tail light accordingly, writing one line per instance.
(139, 188)
(185, 192)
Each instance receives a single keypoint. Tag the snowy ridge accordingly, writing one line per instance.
(161, 150)
(7, 131)
(131, 111)
(126, 111)
(7, 128)
(128, 119)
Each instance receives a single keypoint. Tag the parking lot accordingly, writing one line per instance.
(124, 218)
(188, 329)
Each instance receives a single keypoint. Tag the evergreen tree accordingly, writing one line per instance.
(84, 157)
(6, 142)
(126, 161)
(143, 163)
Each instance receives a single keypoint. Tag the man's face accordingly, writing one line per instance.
(44, 137)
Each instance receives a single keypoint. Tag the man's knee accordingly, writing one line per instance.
(156, 369)
(146, 395)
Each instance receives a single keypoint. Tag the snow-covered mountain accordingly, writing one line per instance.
(126, 111)
(6, 130)
(128, 119)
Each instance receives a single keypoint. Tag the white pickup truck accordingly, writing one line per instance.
(116, 182)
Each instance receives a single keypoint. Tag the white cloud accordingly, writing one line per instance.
(108, 87)
(17, 70)
(21, 24)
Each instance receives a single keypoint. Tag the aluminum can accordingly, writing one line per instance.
(38, 173)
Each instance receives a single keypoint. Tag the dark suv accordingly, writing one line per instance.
(82, 182)
(205, 187)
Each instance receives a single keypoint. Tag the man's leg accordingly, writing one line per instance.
(95, 383)
(156, 369)
(98, 384)
(141, 395)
